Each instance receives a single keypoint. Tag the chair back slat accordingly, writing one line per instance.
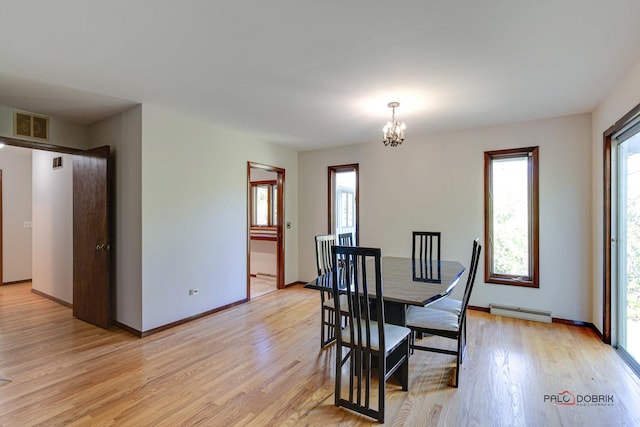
(426, 245)
(425, 254)
(324, 243)
(345, 239)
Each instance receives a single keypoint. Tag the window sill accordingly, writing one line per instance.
(513, 281)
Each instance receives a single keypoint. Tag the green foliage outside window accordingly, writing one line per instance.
(633, 241)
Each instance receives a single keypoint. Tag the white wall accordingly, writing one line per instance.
(15, 164)
(619, 101)
(436, 183)
(123, 133)
(61, 133)
(263, 257)
(194, 214)
(52, 226)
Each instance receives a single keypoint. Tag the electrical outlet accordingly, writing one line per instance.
(26, 224)
(193, 291)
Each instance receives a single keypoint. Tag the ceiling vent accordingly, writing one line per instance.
(29, 125)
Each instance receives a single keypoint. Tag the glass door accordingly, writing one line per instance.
(627, 237)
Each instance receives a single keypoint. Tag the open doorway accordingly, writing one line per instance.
(265, 246)
(54, 199)
(15, 215)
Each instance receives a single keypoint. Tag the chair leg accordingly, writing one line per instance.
(405, 369)
(338, 375)
(322, 320)
(463, 336)
(464, 343)
(327, 327)
(459, 359)
(382, 369)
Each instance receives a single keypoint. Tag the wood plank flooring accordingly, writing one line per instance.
(261, 285)
(259, 364)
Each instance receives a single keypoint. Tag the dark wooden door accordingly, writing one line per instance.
(91, 247)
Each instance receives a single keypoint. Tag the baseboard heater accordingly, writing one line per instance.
(520, 313)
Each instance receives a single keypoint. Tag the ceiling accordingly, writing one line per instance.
(311, 74)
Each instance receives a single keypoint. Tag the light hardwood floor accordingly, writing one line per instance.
(260, 364)
(261, 285)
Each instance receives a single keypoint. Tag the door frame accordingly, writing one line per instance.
(35, 146)
(44, 147)
(331, 172)
(608, 210)
(279, 226)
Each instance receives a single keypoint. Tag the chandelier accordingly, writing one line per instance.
(393, 132)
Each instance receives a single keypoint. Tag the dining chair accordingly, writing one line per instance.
(373, 346)
(425, 254)
(431, 321)
(324, 243)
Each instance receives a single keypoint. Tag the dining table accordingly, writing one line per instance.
(406, 282)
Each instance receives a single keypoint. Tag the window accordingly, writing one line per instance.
(511, 216)
(343, 200)
(264, 203)
(347, 202)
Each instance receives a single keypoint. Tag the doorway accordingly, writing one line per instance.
(265, 237)
(15, 215)
(65, 223)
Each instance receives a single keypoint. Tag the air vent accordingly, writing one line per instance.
(57, 162)
(29, 125)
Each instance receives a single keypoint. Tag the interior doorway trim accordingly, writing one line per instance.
(39, 145)
(279, 225)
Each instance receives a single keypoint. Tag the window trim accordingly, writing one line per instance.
(532, 280)
(331, 194)
(272, 219)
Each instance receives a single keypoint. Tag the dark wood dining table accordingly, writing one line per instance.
(407, 282)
